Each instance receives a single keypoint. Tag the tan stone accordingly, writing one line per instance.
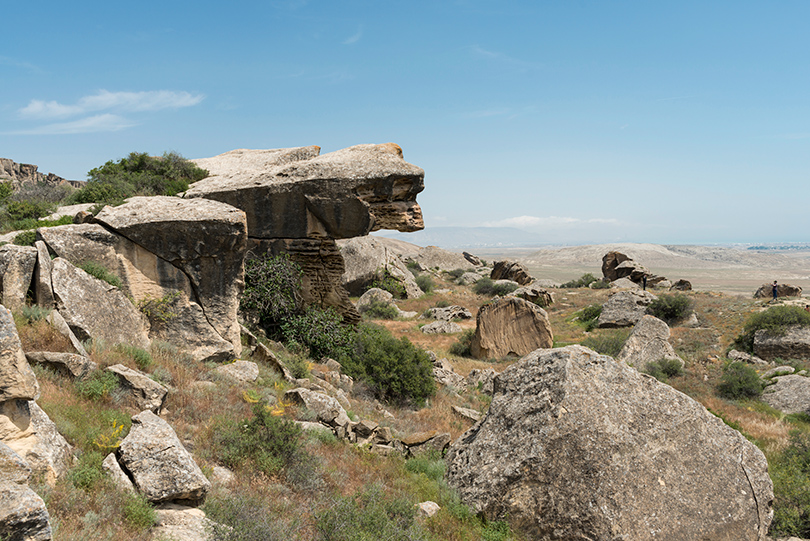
(510, 326)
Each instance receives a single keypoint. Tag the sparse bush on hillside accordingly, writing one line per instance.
(775, 320)
(272, 291)
(670, 308)
(98, 386)
(663, 369)
(320, 330)
(425, 282)
(26, 238)
(739, 380)
(455, 274)
(790, 472)
(607, 341)
(487, 287)
(247, 517)
(589, 316)
(583, 281)
(97, 270)
(396, 370)
(380, 310)
(138, 174)
(386, 281)
(599, 284)
(462, 346)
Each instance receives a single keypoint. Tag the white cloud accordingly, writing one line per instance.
(93, 124)
(355, 38)
(112, 101)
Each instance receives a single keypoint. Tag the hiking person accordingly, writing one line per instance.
(775, 290)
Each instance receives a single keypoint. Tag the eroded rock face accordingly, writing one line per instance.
(534, 293)
(510, 326)
(511, 270)
(625, 308)
(578, 446)
(765, 291)
(790, 394)
(69, 364)
(16, 271)
(793, 344)
(648, 343)
(432, 257)
(147, 393)
(163, 470)
(326, 408)
(17, 380)
(23, 515)
(366, 257)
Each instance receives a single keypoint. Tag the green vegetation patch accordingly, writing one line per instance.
(775, 320)
(738, 381)
(670, 308)
(583, 281)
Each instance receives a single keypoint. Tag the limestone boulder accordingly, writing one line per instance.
(69, 364)
(789, 393)
(534, 293)
(441, 326)
(444, 374)
(113, 470)
(181, 523)
(326, 409)
(94, 309)
(262, 354)
(58, 322)
(426, 444)
(448, 313)
(435, 258)
(624, 308)
(648, 343)
(239, 371)
(373, 295)
(342, 194)
(475, 260)
(576, 445)
(16, 272)
(162, 469)
(510, 326)
(364, 259)
(681, 285)
(204, 239)
(482, 379)
(624, 283)
(42, 276)
(146, 393)
(17, 380)
(23, 516)
(469, 278)
(511, 270)
(765, 291)
(744, 357)
(794, 343)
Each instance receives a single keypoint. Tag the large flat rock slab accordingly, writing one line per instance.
(17, 380)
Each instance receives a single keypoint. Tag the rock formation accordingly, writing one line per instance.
(765, 291)
(366, 258)
(578, 446)
(616, 265)
(648, 343)
(534, 293)
(23, 514)
(789, 393)
(510, 326)
(625, 308)
(793, 343)
(511, 270)
(299, 202)
(25, 173)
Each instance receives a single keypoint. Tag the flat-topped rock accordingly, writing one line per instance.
(17, 380)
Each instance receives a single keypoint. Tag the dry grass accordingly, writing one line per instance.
(42, 336)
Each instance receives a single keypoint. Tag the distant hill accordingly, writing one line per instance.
(468, 238)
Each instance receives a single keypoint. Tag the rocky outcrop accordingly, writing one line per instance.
(146, 393)
(25, 173)
(511, 270)
(681, 285)
(435, 258)
(444, 374)
(624, 309)
(744, 357)
(162, 469)
(648, 343)
(366, 258)
(793, 343)
(16, 271)
(69, 364)
(448, 313)
(239, 371)
(534, 293)
(441, 326)
(17, 380)
(481, 379)
(765, 291)
(789, 394)
(510, 326)
(578, 446)
(326, 409)
(23, 516)
(616, 265)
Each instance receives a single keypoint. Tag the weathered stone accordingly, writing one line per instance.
(314, 427)
(13, 469)
(16, 272)
(468, 414)
(432, 257)
(441, 327)
(366, 257)
(624, 283)
(481, 379)
(444, 374)
(160, 466)
(374, 295)
(23, 516)
(534, 293)
(365, 428)
(42, 276)
(204, 239)
(17, 380)
(119, 478)
(794, 343)
(426, 443)
(648, 343)
(511, 270)
(93, 309)
(180, 523)
(778, 371)
(69, 364)
(263, 355)
(765, 291)
(578, 446)
(147, 393)
(789, 394)
(469, 278)
(326, 408)
(240, 371)
(448, 313)
(510, 326)
(681, 285)
(625, 308)
(474, 260)
(743, 357)
(427, 509)
(58, 322)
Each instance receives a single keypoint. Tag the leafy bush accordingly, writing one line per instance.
(607, 342)
(99, 385)
(462, 346)
(396, 370)
(487, 287)
(97, 270)
(583, 281)
(138, 174)
(160, 309)
(386, 281)
(23, 210)
(425, 282)
(739, 381)
(138, 512)
(599, 284)
(87, 473)
(320, 330)
(589, 316)
(455, 274)
(381, 310)
(26, 238)
(246, 517)
(670, 308)
(776, 320)
(790, 472)
(663, 369)
(266, 442)
(272, 290)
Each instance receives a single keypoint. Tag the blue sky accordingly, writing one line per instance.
(585, 122)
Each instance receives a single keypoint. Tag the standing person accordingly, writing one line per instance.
(775, 290)
(644, 282)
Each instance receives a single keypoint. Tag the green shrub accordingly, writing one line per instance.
(433, 466)
(425, 282)
(272, 290)
(599, 284)
(414, 267)
(583, 281)
(396, 370)
(97, 270)
(142, 358)
(6, 189)
(34, 312)
(320, 330)
(26, 238)
(87, 473)
(99, 385)
(739, 381)
(386, 281)
(607, 341)
(489, 288)
(455, 274)
(381, 310)
(23, 210)
(138, 174)
(588, 317)
(247, 517)
(138, 512)
(790, 472)
(369, 515)
(462, 346)
(663, 369)
(775, 320)
(264, 442)
(670, 308)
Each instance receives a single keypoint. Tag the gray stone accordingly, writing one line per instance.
(17, 380)
(365, 257)
(467, 414)
(119, 478)
(23, 516)
(765, 291)
(13, 469)
(778, 371)
(625, 308)
(510, 326)
(511, 270)
(648, 343)
(624, 283)
(427, 509)
(573, 444)
(441, 327)
(373, 295)
(42, 276)
(743, 357)
(448, 313)
(147, 393)
(69, 364)
(469, 278)
(262, 354)
(240, 371)
(789, 394)
(162, 469)
(681, 285)
(481, 379)
(794, 343)
(534, 293)
(180, 523)
(444, 374)
(16, 272)
(58, 322)
(433, 257)
(325, 408)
